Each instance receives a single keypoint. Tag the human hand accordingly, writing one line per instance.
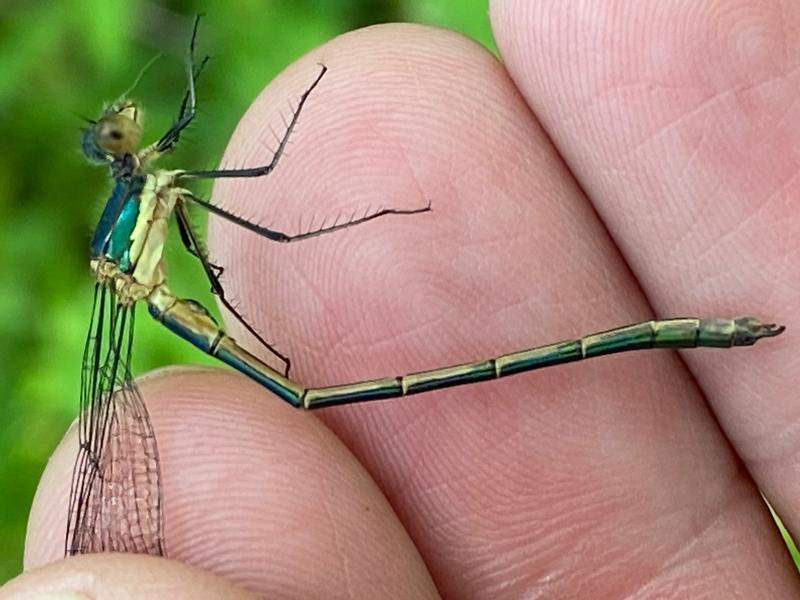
(602, 479)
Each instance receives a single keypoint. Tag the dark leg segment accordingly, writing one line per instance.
(213, 272)
(188, 107)
(279, 236)
(269, 167)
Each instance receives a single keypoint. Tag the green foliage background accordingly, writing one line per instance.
(57, 63)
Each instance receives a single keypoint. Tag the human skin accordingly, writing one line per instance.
(621, 163)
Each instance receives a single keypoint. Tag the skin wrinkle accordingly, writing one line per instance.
(343, 336)
(718, 513)
(613, 92)
(495, 566)
(681, 120)
(757, 86)
(321, 299)
(718, 98)
(674, 562)
(354, 347)
(786, 117)
(482, 476)
(782, 189)
(694, 224)
(406, 162)
(784, 449)
(500, 562)
(695, 110)
(337, 543)
(694, 154)
(729, 232)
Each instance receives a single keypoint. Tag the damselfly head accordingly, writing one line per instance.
(117, 133)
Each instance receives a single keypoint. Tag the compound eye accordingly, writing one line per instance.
(118, 134)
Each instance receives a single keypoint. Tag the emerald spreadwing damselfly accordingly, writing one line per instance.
(116, 495)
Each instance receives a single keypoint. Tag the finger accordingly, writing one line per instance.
(546, 482)
(255, 492)
(119, 576)
(675, 119)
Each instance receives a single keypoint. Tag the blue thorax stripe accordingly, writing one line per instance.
(111, 239)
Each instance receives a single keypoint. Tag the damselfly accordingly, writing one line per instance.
(116, 494)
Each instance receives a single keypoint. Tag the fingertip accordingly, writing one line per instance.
(119, 576)
(255, 491)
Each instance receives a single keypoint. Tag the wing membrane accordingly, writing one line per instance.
(115, 497)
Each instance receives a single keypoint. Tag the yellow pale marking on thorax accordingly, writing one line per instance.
(156, 203)
(147, 206)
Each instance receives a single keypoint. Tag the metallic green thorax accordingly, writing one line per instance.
(112, 237)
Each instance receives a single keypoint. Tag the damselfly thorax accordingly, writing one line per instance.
(128, 252)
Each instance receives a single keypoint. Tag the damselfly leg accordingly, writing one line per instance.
(266, 169)
(192, 243)
(188, 108)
